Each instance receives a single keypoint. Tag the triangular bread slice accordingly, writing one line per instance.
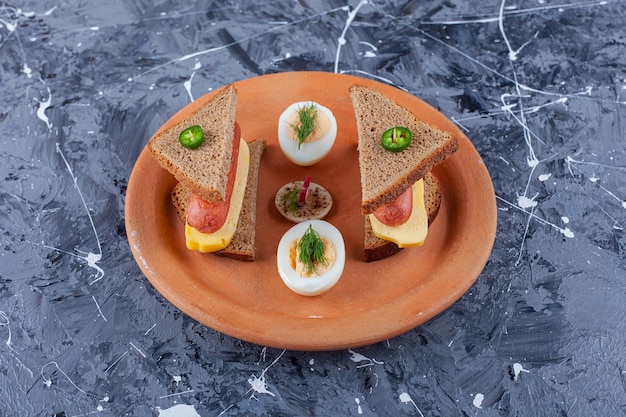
(386, 175)
(243, 245)
(202, 170)
(376, 248)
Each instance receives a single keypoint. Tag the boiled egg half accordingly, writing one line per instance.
(317, 144)
(298, 278)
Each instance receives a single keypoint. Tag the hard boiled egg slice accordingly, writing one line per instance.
(317, 145)
(312, 285)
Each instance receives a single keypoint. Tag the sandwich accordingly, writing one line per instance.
(400, 195)
(217, 173)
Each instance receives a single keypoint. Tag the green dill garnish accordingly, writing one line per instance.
(291, 198)
(311, 250)
(307, 116)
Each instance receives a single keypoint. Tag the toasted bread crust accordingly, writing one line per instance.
(386, 175)
(376, 248)
(243, 245)
(202, 169)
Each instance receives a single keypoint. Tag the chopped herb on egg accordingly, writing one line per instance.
(308, 118)
(311, 248)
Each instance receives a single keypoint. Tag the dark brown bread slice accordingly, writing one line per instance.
(376, 248)
(243, 245)
(180, 195)
(386, 175)
(202, 170)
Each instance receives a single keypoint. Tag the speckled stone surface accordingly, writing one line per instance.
(538, 86)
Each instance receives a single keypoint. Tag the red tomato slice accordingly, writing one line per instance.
(398, 211)
(209, 217)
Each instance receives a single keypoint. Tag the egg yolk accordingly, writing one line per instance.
(320, 269)
(322, 125)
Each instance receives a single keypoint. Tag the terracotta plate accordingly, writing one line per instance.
(372, 301)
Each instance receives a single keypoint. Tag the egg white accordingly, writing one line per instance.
(310, 152)
(310, 286)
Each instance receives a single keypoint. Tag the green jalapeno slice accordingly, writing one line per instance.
(396, 139)
(192, 137)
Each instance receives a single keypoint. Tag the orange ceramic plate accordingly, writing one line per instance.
(372, 301)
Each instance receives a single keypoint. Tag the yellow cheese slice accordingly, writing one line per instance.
(218, 240)
(413, 231)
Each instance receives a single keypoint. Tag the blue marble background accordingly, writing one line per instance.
(538, 86)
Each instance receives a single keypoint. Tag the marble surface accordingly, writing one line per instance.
(538, 86)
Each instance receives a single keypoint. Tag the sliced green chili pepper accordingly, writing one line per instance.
(192, 137)
(396, 139)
